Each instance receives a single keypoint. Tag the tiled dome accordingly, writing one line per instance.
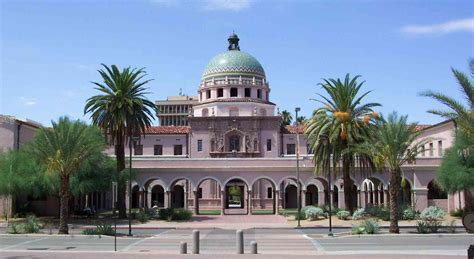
(233, 62)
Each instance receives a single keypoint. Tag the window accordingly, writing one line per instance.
(269, 193)
(178, 150)
(269, 145)
(208, 94)
(309, 151)
(200, 193)
(158, 150)
(431, 149)
(423, 150)
(440, 148)
(138, 150)
(220, 92)
(259, 93)
(205, 112)
(199, 145)
(290, 149)
(234, 143)
(233, 92)
(247, 92)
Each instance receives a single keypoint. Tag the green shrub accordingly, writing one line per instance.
(89, 231)
(105, 229)
(31, 225)
(458, 213)
(408, 214)
(422, 227)
(181, 214)
(368, 226)
(301, 216)
(14, 228)
(165, 214)
(313, 213)
(343, 214)
(142, 216)
(451, 228)
(432, 213)
(358, 214)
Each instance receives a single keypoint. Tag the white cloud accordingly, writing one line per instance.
(28, 101)
(441, 28)
(232, 5)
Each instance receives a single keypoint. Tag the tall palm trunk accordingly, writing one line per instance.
(394, 190)
(120, 155)
(64, 205)
(346, 177)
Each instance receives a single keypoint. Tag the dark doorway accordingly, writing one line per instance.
(290, 197)
(177, 199)
(158, 196)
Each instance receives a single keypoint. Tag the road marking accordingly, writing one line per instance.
(127, 248)
(315, 243)
(23, 243)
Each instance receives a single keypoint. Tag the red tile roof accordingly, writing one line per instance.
(167, 130)
(422, 127)
(291, 129)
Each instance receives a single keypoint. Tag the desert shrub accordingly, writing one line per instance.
(458, 213)
(408, 214)
(372, 210)
(14, 228)
(343, 214)
(31, 225)
(422, 227)
(432, 213)
(105, 229)
(301, 215)
(384, 214)
(181, 214)
(89, 231)
(358, 214)
(368, 226)
(142, 216)
(314, 213)
(165, 214)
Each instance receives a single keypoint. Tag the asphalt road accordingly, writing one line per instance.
(304, 242)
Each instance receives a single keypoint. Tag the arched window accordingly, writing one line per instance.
(234, 143)
(435, 192)
(205, 112)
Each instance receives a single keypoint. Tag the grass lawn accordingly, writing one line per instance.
(288, 211)
(262, 212)
(209, 212)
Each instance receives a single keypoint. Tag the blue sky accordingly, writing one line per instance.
(50, 50)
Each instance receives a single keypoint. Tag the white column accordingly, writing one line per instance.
(276, 196)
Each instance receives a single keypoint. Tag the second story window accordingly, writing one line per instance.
(259, 93)
(220, 92)
(290, 149)
(269, 145)
(247, 92)
(431, 149)
(440, 148)
(234, 92)
(199, 145)
(269, 193)
(158, 150)
(178, 150)
(208, 94)
(138, 150)
(423, 150)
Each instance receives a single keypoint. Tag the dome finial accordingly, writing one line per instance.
(233, 42)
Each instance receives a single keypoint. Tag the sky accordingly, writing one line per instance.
(50, 50)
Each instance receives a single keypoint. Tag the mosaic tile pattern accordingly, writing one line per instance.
(233, 61)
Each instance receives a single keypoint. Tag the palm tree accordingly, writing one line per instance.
(62, 149)
(300, 120)
(463, 115)
(345, 121)
(121, 111)
(392, 143)
(286, 117)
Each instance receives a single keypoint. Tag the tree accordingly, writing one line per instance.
(286, 117)
(462, 115)
(62, 150)
(345, 121)
(392, 143)
(300, 120)
(121, 111)
(456, 170)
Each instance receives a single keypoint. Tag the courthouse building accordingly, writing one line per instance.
(227, 150)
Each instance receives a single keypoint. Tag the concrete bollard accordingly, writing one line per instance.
(183, 248)
(240, 241)
(253, 247)
(470, 252)
(195, 241)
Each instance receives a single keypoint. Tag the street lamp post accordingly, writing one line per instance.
(130, 144)
(324, 139)
(298, 187)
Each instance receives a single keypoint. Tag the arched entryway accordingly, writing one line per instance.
(263, 198)
(236, 197)
(179, 193)
(311, 195)
(437, 196)
(135, 196)
(158, 196)
(208, 192)
(291, 196)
